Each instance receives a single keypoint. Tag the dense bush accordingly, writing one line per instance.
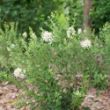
(100, 13)
(61, 70)
(66, 61)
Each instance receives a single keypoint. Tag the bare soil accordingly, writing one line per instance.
(94, 100)
(9, 96)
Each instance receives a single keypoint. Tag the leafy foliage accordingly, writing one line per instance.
(100, 13)
(27, 13)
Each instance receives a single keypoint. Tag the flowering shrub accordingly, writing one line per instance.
(62, 71)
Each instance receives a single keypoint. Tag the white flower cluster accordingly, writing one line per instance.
(85, 43)
(19, 73)
(12, 46)
(70, 32)
(79, 31)
(24, 34)
(47, 37)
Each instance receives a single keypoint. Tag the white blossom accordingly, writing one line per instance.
(85, 43)
(70, 32)
(79, 31)
(47, 37)
(18, 73)
(24, 34)
(12, 46)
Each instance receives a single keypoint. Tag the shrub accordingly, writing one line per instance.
(61, 71)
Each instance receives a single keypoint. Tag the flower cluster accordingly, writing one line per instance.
(70, 32)
(24, 34)
(19, 73)
(79, 31)
(47, 37)
(85, 43)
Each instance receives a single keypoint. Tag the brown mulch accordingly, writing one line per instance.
(9, 96)
(96, 100)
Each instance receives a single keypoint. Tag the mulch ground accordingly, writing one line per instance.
(9, 96)
(96, 100)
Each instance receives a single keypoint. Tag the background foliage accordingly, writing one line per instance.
(35, 13)
(27, 13)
